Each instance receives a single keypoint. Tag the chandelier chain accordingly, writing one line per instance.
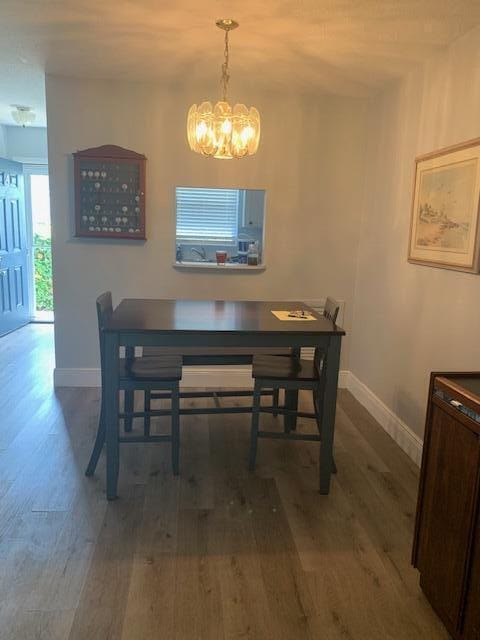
(223, 130)
(225, 74)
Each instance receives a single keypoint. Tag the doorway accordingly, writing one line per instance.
(37, 205)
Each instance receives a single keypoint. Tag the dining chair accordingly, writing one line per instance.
(290, 374)
(144, 374)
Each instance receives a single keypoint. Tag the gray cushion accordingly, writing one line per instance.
(164, 368)
(282, 368)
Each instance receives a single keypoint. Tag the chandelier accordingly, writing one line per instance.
(22, 115)
(222, 131)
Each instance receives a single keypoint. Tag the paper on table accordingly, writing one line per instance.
(294, 315)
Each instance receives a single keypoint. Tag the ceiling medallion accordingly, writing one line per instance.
(222, 131)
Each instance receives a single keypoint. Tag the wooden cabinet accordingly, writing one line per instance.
(471, 627)
(447, 532)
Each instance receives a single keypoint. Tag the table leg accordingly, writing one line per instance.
(328, 426)
(291, 401)
(111, 412)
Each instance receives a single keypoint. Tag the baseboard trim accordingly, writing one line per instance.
(76, 377)
(215, 377)
(401, 433)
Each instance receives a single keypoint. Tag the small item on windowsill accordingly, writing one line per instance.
(252, 255)
(297, 315)
(244, 242)
(221, 257)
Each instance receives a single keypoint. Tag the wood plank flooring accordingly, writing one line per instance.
(215, 554)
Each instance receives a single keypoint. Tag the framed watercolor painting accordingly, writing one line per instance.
(444, 228)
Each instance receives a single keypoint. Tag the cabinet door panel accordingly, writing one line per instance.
(472, 616)
(446, 525)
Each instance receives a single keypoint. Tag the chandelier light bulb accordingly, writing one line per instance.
(226, 127)
(222, 131)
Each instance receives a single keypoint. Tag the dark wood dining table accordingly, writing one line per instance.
(215, 323)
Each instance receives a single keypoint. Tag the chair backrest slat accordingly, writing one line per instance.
(330, 311)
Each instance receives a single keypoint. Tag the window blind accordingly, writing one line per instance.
(207, 215)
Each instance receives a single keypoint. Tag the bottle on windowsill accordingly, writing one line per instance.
(252, 255)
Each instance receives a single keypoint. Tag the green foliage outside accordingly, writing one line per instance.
(43, 273)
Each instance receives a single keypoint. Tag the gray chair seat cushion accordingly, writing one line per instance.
(278, 367)
(164, 368)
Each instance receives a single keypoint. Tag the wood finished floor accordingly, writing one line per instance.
(214, 554)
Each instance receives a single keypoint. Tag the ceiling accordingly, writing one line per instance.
(347, 47)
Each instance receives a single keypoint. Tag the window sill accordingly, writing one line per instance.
(213, 265)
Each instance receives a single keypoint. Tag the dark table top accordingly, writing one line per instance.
(168, 316)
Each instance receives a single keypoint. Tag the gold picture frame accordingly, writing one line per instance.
(444, 223)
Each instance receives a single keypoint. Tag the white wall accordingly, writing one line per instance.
(310, 163)
(410, 319)
(26, 144)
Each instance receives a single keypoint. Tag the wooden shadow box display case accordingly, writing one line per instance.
(446, 547)
(109, 193)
